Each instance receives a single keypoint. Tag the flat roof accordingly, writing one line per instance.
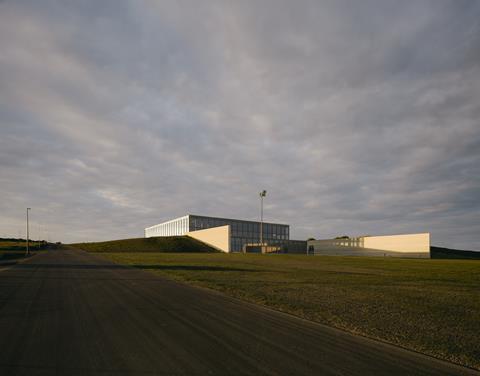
(239, 220)
(222, 218)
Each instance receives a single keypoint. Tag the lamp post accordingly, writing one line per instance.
(262, 195)
(28, 251)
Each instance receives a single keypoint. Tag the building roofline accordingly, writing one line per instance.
(239, 220)
(210, 217)
(170, 220)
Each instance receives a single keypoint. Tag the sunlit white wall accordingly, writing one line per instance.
(174, 227)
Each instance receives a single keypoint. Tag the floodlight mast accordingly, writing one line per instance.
(28, 251)
(262, 195)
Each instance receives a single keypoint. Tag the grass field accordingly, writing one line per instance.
(431, 306)
(181, 244)
(15, 249)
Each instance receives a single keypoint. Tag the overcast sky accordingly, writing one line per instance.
(357, 117)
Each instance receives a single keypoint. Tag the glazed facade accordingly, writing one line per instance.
(241, 232)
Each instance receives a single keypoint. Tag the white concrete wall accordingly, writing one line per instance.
(407, 245)
(174, 227)
(216, 237)
(399, 243)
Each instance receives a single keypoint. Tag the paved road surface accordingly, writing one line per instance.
(72, 313)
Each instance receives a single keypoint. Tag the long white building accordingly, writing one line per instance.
(240, 232)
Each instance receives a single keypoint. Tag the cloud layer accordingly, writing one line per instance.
(357, 118)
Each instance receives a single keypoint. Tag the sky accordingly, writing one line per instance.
(357, 117)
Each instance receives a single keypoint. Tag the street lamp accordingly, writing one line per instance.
(28, 251)
(262, 195)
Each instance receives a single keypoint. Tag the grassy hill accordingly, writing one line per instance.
(447, 253)
(175, 244)
(12, 249)
(8, 244)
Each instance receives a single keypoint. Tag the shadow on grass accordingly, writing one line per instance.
(13, 248)
(8, 256)
(194, 268)
(138, 266)
(69, 266)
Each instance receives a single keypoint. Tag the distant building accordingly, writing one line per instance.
(230, 235)
(406, 245)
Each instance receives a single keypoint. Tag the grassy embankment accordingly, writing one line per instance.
(448, 253)
(176, 244)
(431, 306)
(12, 249)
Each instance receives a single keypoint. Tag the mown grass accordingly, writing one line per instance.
(431, 306)
(181, 244)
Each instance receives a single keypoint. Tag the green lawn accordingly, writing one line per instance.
(432, 306)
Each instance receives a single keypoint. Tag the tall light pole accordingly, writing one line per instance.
(28, 251)
(262, 195)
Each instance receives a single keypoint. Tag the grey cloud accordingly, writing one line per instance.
(357, 118)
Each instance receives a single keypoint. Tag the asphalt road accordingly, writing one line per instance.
(72, 313)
